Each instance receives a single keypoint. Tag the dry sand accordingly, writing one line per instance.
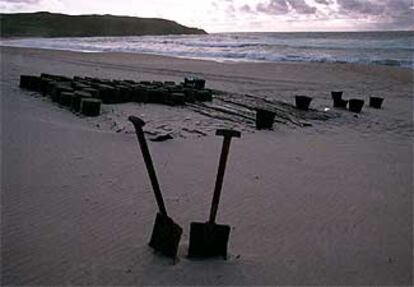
(329, 204)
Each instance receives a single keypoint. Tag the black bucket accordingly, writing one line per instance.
(355, 105)
(44, 83)
(195, 83)
(203, 95)
(264, 119)
(303, 102)
(66, 98)
(140, 94)
(375, 102)
(77, 98)
(336, 95)
(176, 99)
(90, 107)
(58, 89)
(31, 83)
(339, 103)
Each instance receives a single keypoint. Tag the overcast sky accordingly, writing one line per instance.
(244, 15)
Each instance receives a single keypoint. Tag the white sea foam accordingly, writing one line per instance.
(379, 48)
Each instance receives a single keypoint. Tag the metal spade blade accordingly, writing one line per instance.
(210, 239)
(165, 236)
(166, 233)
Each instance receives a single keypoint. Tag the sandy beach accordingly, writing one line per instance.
(326, 204)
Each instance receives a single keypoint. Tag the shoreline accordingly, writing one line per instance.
(224, 61)
(405, 73)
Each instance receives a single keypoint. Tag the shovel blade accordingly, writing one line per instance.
(208, 240)
(165, 236)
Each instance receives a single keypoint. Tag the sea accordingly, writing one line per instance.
(391, 48)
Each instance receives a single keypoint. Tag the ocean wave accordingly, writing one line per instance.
(201, 43)
(242, 47)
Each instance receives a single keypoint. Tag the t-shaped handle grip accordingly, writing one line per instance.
(137, 122)
(228, 133)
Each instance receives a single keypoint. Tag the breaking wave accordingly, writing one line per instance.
(372, 48)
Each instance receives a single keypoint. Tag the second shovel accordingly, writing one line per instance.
(208, 239)
(166, 233)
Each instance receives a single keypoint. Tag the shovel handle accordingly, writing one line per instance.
(228, 134)
(138, 124)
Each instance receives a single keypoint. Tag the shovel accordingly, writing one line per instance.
(210, 239)
(166, 233)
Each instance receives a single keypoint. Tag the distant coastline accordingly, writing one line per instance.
(52, 25)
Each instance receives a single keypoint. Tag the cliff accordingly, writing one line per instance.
(45, 24)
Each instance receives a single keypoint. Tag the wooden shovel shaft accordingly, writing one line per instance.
(220, 176)
(150, 169)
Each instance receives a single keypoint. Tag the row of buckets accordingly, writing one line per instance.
(354, 105)
(265, 118)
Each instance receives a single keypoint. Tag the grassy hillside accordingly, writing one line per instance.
(44, 24)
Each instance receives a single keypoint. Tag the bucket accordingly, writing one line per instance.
(355, 105)
(77, 99)
(195, 83)
(339, 103)
(90, 107)
(264, 119)
(375, 102)
(336, 95)
(66, 98)
(303, 102)
(31, 83)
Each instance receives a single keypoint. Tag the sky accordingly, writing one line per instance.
(243, 15)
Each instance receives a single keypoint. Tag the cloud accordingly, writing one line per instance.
(16, 6)
(399, 13)
(324, 2)
(21, 1)
(372, 7)
(280, 7)
(274, 7)
(353, 14)
(362, 7)
(230, 9)
(384, 11)
(301, 7)
(384, 14)
(246, 9)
